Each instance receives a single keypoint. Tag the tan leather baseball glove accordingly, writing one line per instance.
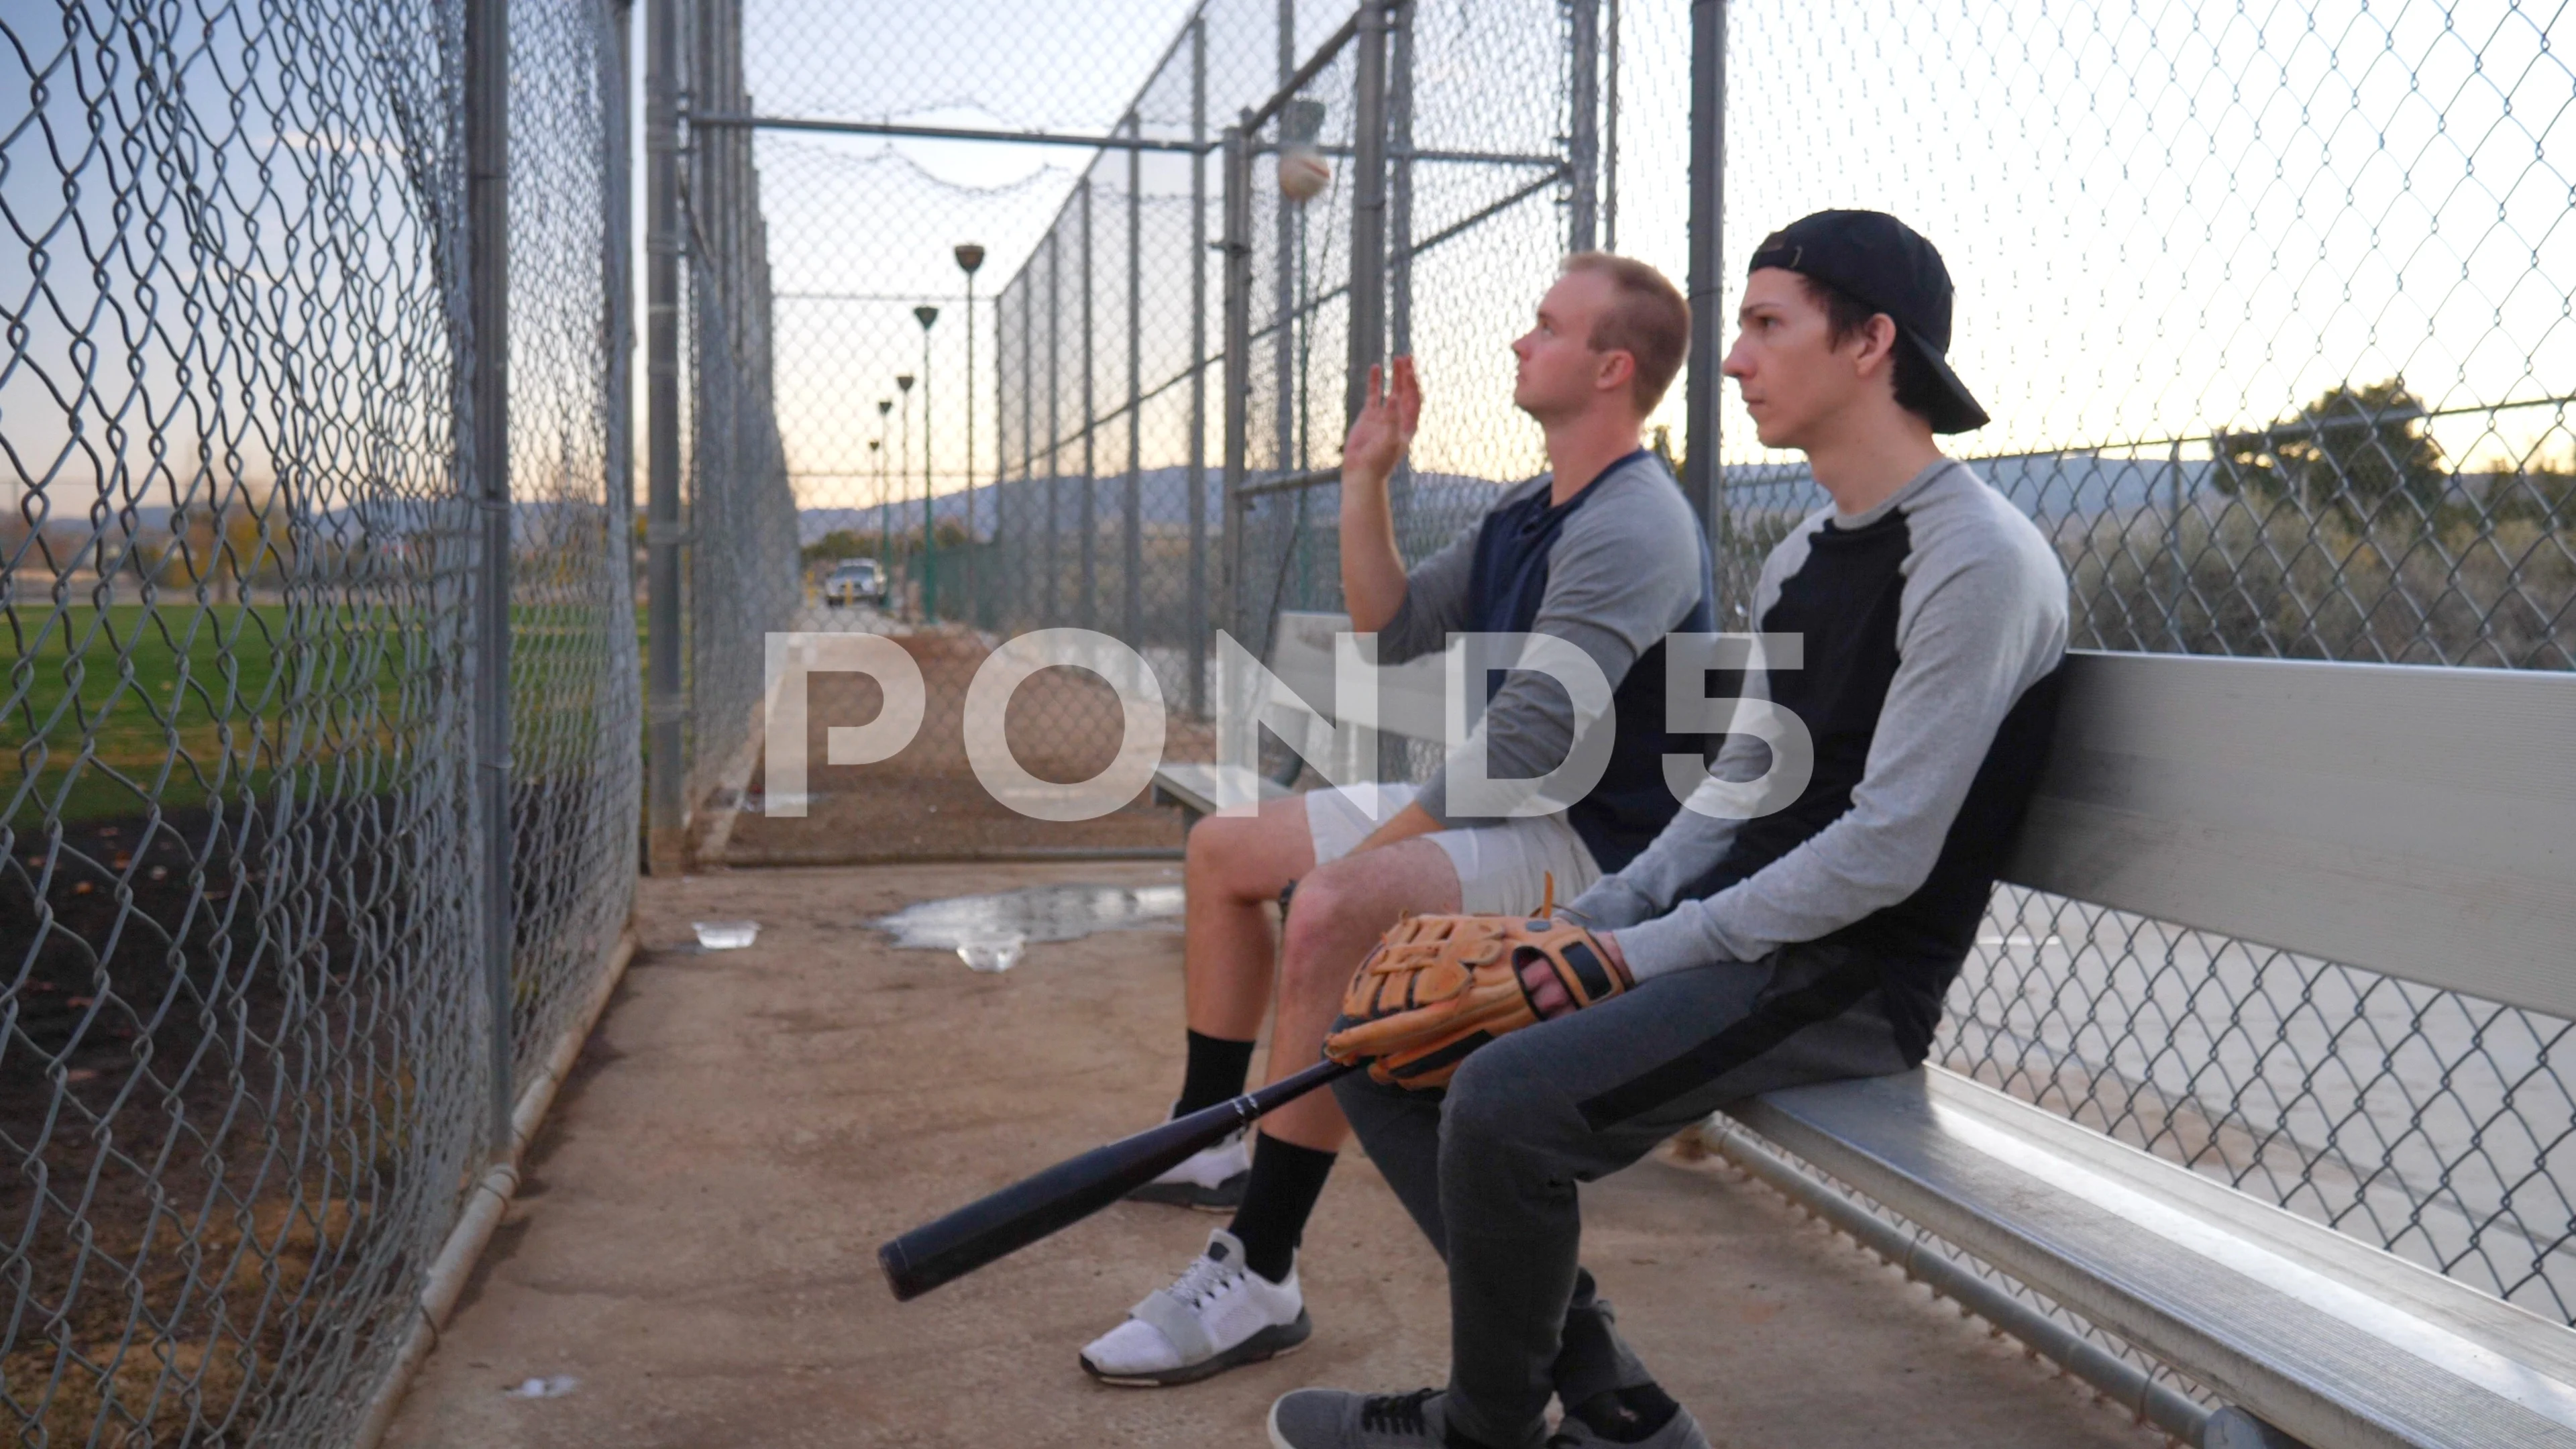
(1438, 987)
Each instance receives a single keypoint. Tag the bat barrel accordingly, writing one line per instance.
(1034, 1207)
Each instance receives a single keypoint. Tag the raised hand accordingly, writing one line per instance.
(1385, 426)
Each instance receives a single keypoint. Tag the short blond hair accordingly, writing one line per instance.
(1649, 319)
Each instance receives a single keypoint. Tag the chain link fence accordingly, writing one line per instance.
(742, 577)
(1081, 480)
(2270, 310)
(247, 1042)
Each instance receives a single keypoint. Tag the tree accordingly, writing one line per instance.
(2538, 492)
(839, 544)
(2354, 450)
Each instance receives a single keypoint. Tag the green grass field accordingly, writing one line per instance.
(110, 710)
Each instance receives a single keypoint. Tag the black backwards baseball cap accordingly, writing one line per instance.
(1887, 267)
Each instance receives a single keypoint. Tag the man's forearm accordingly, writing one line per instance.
(1372, 570)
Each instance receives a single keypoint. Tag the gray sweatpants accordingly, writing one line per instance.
(1488, 1168)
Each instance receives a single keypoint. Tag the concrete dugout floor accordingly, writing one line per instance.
(696, 1241)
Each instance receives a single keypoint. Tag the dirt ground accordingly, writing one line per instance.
(695, 1246)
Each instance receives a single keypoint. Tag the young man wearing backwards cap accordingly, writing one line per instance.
(1784, 928)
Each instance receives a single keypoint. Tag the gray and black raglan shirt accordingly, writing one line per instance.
(1933, 627)
(1611, 570)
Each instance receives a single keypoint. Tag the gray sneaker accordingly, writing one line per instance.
(1679, 1432)
(1339, 1419)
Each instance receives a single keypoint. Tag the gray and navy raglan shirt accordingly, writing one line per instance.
(1934, 626)
(1611, 570)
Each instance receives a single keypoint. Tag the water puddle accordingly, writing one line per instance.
(990, 932)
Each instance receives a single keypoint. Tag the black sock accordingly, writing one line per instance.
(1286, 1180)
(1215, 1074)
(1626, 1416)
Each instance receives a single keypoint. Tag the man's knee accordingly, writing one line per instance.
(1215, 844)
(1322, 920)
(1497, 1101)
(1237, 853)
(1339, 911)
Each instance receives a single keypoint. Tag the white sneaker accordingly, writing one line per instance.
(1210, 1180)
(1217, 1315)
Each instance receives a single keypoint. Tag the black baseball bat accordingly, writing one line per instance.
(1004, 1222)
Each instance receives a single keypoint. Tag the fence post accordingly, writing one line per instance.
(1610, 139)
(662, 428)
(1088, 610)
(1399, 247)
(1237, 184)
(617, 285)
(1285, 323)
(1707, 216)
(1055, 415)
(1399, 208)
(1016, 558)
(1133, 561)
(929, 533)
(487, 201)
(1583, 136)
(2177, 576)
(1368, 207)
(1198, 623)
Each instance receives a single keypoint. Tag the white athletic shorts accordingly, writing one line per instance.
(1502, 868)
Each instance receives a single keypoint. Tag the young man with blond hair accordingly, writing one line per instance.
(1602, 552)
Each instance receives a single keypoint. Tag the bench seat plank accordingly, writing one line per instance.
(1409, 695)
(2329, 1339)
(1408, 706)
(1195, 787)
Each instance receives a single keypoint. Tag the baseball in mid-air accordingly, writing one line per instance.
(1302, 173)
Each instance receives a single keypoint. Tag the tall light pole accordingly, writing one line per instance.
(885, 527)
(876, 450)
(929, 560)
(903, 475)
(885, 534)
(970, 257)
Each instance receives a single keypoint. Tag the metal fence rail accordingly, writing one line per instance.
(249, 1052)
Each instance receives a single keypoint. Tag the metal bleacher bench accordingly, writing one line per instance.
(1301, 655)
(2418, 822)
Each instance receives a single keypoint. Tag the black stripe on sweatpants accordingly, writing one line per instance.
(1760, 1030)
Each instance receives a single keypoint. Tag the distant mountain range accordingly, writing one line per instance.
(2045, 485)
(1162, 503)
